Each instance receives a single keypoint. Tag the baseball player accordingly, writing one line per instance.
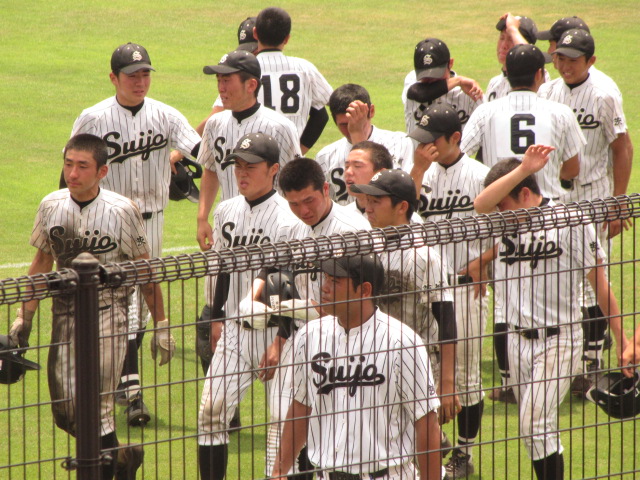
(238, 75)
(140, 133)
(545, 339)
(528, 119)
(292, 86)
(373, 424)
(513, 31)
(391, 197)
(598, 109)
(87, 218)
(455, 180)
(352, 112)
(258, 215)
(432, 62)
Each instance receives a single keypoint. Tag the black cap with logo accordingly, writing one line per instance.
(431, 59)
(129, 58)
(395, 183)
(523, 60)
(245, 35)
(527, 28)
(364, 268)
(438, 120)
(575, 43)
(561, 26)
(236, 61)
(256, 148)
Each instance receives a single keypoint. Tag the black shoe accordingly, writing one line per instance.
(235, 424)
(137, 412)
(129, 460)
(459, 465)
(503, 394)
(121, 397)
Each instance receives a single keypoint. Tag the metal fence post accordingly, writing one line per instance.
(87, 358)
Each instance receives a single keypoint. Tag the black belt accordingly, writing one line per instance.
(148, 215)
(460, 279)
(532, 333)
(247, 325)
(356, 476)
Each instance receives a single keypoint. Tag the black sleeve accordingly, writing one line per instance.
(220, 296)
(427, 92)
(443, 312)
(195, 150)
(318, 118)
(286, 326)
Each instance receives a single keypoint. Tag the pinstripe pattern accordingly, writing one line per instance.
(333, 157)
(413, 110)
(294, 86)
(499, 86)
(110, 228)
(223, 131)
(139, 147)
(519, 120)
(365, 425)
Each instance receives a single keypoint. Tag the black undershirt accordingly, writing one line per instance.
(135, 109)
(85, 203)
(574, 85)
(258, 201)
(244, 114)
(452, 164)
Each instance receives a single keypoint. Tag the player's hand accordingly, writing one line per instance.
(204, 235)
(215, 334)
(21, 328)
(535, 158)
(479, 275)
(357, 121)
(630, 358)
(424, 156)
(299, 309)
(615, 227)
(449, 408)
(471, 88)
(162, 342)
(174, 157)
(270, 360)
(256, 314)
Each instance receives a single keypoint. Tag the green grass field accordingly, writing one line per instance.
(54, 62)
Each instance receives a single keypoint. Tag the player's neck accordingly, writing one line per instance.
(86, 198)
(246, 111)
(452, 159)
(357, 315)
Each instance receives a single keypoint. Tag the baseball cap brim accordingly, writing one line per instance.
(433, 72)
(219, 69)
(248, 46)
(246, 156)
(369, 190)
(569, 52)
(424, 136)
(334, 268)
(544, 35)
(136, 67)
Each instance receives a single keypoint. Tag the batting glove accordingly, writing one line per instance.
(21, 328)
(163, 341)
(298, 309)
(254, 314)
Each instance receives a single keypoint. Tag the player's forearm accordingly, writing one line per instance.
(42, 263)
(447, 368)
(294, 437)
(427, 433)
(153, 297)
(489, 198)
(621, 164)
(570, 169)
(208, 192)
(607, 302)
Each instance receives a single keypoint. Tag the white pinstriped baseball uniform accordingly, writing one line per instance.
(598, 110)
(505, 128)
(222, 132)
(538, 277)
(139, 148)
(413, 110)
(366, 424)
(333, 157)
(291, 86)
(111, 229)
(454, 188)
(499, 86)
(239, 350)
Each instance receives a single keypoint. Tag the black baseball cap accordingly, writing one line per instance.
(437, 120)
(245, 35)
(364, 268)
(431, 59)
(561, 26)
(527, 28)
(256, 148)
(129, 58)
(523, 60)
(236, 61)
(395, 183)
(575, 43)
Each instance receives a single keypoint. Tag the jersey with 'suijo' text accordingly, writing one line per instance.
(139, 147)
(506, 127)
(291, 86)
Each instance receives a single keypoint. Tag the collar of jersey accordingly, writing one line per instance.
(240, 116)
(258, 201)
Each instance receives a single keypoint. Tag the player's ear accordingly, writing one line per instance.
(451, 64)
(114, 78)
(455, 137)
(366, 290)
(102, 171)
(255, 34)
(325, 189)
(274, 169)
(286, 39)
(591, 61)
(372, 111)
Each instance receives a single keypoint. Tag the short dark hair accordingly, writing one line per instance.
(85, 142)
(300, 173)
(502, 168)
(245, 76)
(395, 201)
(345, 94)
(378, 154)
(522, 81)
(272, 26)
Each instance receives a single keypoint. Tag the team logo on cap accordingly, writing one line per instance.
(137, 56)
(243, 34)
(427, 60)
(567, 40)
(376, 176)
(224, 58)
(424, 121)
(246, 143)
